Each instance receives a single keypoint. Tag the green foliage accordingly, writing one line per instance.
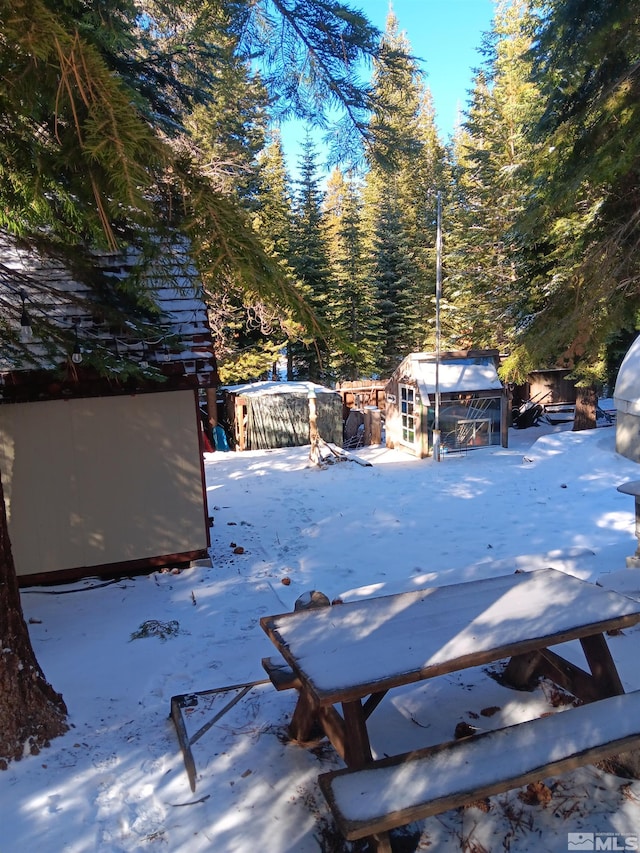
(352, 307)
(117, 127)
(399, 215)
(156, 628)
(581, 226)
(486, 278)
(310, 264)
(126, 122)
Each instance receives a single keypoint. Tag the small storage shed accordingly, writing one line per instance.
(103, 476)
(548, 387)
(474, 405)
(265, 415)
(626, 398)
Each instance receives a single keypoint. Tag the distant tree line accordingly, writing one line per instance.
(540, 187)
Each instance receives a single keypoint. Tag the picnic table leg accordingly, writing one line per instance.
(603, 669)
(381, 843)
(522, 670)
(304, 722)
(357, 747)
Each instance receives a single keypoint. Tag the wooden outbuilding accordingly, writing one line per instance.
(266, 415)
(474, 406)
(103, 476)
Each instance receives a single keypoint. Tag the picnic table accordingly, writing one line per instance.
(345, 658)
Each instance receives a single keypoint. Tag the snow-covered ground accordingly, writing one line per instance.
(117, 781)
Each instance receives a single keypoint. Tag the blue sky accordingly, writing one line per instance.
(445, 35)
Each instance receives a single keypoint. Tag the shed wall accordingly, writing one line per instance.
(265, 421)
(628, 435)
(102, 481)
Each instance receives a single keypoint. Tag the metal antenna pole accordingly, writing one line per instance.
(436, 425)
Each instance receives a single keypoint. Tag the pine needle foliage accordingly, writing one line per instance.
(98, 149)
(581, 228)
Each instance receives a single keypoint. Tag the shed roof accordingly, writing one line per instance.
(261, 389)
(457, 374)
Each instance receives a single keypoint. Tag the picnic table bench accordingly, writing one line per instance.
(395, 791)
(344, 658)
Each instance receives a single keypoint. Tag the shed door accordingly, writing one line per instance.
(408, 413)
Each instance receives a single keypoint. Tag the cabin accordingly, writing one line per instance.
(103, 477)
(266, 415)
(474, 408)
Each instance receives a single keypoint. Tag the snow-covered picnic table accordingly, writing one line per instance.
(350, 654)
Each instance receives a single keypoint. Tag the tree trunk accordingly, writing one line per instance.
(31, 712)
(586, 405)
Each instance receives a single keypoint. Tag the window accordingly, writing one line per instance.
(407, 413)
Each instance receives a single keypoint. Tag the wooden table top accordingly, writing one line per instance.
(350, 650)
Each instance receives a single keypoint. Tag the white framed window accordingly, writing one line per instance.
(408, 413)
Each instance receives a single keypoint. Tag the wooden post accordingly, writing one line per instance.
(212, 407)
(314, 450)
(367, 427)
(376, 426)
(372, 426)
(313, 417)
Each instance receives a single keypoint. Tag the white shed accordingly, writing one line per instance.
(626, 398)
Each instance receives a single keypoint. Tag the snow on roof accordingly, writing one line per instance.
(256, 389)
(458, 375)
(626, 395)
(51, 290)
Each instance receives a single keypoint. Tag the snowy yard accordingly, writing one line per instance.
(116, 783)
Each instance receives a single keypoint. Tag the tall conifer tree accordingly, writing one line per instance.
(582, 223)
(309, 357)
(492, 171)
(352, 304)
(406, 171)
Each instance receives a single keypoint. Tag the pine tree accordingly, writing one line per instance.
(582, 223)
(249, 333)
(406, 171)
(352, 297)
(309, 356)
(492, 155)
(391, 274)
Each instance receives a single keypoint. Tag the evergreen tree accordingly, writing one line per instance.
(249, 333)
(391, 273)
(229, 130)
(582, 223)
(406, 171)
(352, 308)
(492, 156)
(308, 358)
